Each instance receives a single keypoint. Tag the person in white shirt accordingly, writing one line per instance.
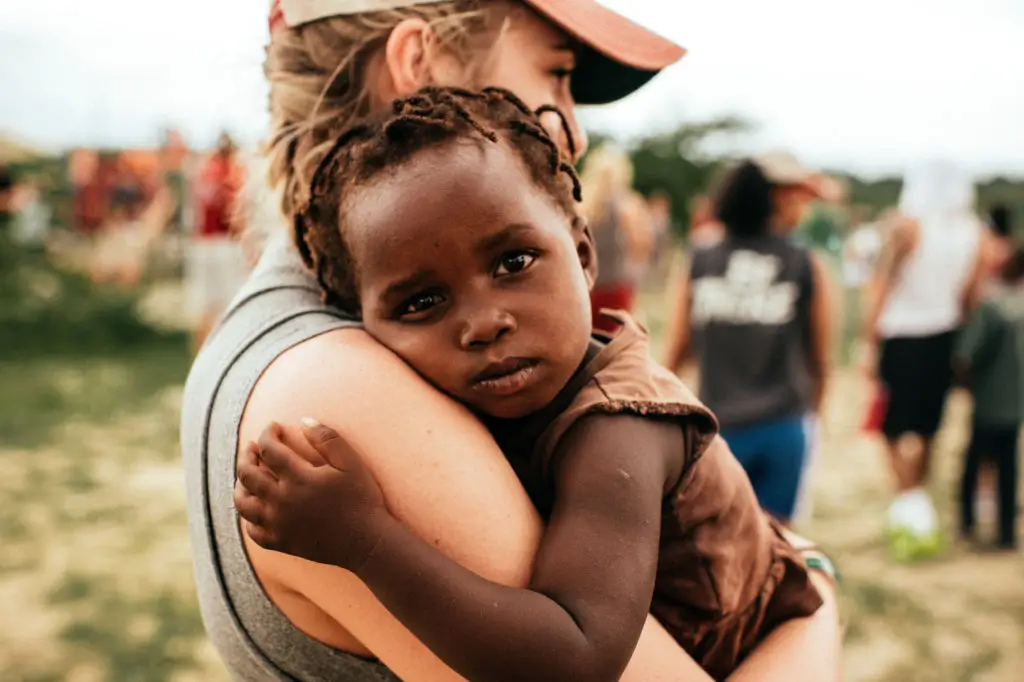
(927, 277)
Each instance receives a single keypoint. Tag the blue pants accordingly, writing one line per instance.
(773, 453)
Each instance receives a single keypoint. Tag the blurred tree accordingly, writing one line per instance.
(676, 164)
(823, 228)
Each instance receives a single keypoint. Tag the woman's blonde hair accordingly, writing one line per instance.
(607, 175)
(318, 78)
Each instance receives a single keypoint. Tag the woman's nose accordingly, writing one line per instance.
(560, 131)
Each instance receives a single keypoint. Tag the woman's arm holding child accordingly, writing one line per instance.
(593, 579)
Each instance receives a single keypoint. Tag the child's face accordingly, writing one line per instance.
(473, 275)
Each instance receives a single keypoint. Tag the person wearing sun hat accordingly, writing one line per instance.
(752, 311)
(279, 354)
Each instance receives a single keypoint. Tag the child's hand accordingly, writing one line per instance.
(332, 514)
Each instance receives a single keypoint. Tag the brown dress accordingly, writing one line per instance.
(726, 577)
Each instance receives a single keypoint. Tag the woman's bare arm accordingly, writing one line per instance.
(592, 580)
(802, 650)
(442, 475)
(902, 235)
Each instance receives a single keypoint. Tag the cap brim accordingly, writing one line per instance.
(619, 55)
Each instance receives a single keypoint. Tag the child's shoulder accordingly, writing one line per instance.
(626, 374)
(623, 378)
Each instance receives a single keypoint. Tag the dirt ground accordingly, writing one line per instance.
(95, 573)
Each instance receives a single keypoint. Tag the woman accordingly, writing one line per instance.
(215, 267)
(622, 231)
(279, 354)
(928, 275)
(754, 307)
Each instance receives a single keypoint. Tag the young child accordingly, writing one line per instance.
(990, 353)
(449, 228)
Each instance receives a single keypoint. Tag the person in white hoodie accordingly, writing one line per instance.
(927, 278)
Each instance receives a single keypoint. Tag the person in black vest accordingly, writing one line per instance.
(755, 319)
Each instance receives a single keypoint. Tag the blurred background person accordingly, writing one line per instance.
(857, 257)
(215, 266)
(257, 214)
(121, 241)
(997, 245)
(990, 358)
(705, 228)
(166, 208)
(6, 200)
(754, 315)
(928, 275)
(87, 177)
(622, 233)
(31, 220)
(659, 213)
(997, 241)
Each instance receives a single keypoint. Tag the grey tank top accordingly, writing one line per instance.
(750, 314)
(277, 309)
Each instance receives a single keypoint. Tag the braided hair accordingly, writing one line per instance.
(429, 118)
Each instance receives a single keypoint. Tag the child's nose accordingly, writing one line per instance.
(485, 327)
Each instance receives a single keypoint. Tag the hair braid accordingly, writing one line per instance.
(430, 117)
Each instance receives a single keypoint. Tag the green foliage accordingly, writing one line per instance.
(46, 309)
(824, 227)
(677, 164)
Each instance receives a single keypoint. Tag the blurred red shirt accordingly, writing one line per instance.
(219, 181)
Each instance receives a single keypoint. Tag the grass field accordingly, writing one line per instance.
(95, 573)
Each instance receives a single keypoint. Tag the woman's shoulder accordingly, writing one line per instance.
(342, 365)
(348, 380)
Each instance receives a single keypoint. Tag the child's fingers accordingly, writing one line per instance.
(256, 479)
(261, 536)
(249, 507)
(326, 440)
(250, 457)
(278, 457)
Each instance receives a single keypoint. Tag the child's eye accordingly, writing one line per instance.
(514, 262)
(419, 305)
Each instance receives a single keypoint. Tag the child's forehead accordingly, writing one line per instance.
(445, 195)
(446, 175)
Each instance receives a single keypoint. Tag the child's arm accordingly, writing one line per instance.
(592, 583)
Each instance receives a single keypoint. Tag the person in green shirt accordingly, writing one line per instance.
(990, 357)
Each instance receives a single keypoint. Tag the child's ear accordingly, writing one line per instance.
(585, 249)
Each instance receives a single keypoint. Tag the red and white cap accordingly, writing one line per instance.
(618, 57)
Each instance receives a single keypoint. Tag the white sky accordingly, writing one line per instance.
(869, 85)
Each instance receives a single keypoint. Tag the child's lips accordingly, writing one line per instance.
(506, 377)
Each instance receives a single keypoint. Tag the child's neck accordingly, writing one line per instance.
(518, 435)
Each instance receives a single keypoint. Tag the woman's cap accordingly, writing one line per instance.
(621, 54)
